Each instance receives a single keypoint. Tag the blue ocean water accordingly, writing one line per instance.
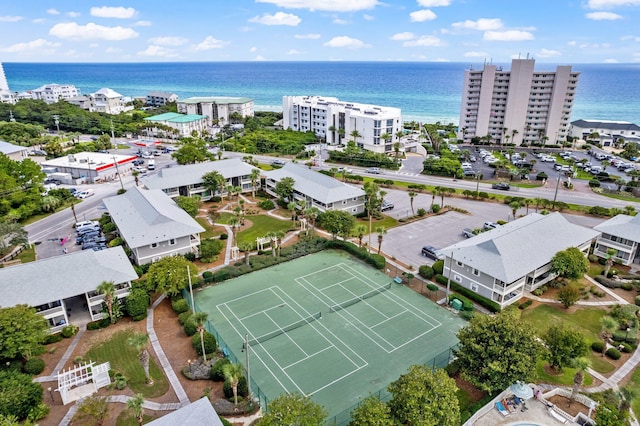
(425, 91)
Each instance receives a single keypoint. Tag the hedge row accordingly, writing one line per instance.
(607, 282)
(375, 260)
(483, 301)
(467, 305)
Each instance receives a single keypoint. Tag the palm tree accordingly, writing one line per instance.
(514, 205)
(279, 235)
(381, 231)
(538, 201)
(627, 395)
(234, 222)
(514, 132)
(214, 182)
(140, 341)
(412, 195)
(107, 289)
(200, 318)
(609, 263)
(396, 149)
(355, 135)
(581, 365)
(229, 190)
(333, 129)
(607, 326)
(360, 231)
(255, 177)
(312, 213)
(134, 405)
(233, 373)
(246, 249)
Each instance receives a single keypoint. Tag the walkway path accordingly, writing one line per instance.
(63, 361)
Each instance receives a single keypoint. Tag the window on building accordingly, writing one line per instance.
(172, 242)
(474, 287)
(457, 278)
(476, 272)
(154, 245)
(458, 263)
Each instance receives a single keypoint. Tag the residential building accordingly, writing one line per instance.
(317, 190)
(337, 121)
(107, 101)
(218, 109)
(520, 106)
(621, 233)
(183, 123)
(156, 98)
(187, 180)
(6, 95)
(63, 288)
(14, 152)
(91, 167)
(81, 101)
(503, 263)
(52, 93)
(153, 225)
(608, 131)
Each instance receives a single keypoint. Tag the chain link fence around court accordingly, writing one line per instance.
(343, 418)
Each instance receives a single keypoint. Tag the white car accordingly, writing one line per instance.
(345, 170)
(140, 170)
(467, 166)
(147, 155)
(85, 194)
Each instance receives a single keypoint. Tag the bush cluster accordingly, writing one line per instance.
(207, 276)
(375, 260)
(98, 324)
(69, 331)
(525, 305)
(136, 304)
(426, 271)
(438, 267)
(216, 374)
(597, 346)
(190, 328)
(637, 300)
(267, 205)
(210, 344)
(33, 366)
(18, 394)
(183, 318)
(180, 305)
(613, 353)
(483, 301)
(52, 338)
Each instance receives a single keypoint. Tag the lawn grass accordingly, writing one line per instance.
(595, 269)
(27, 255)
(127, 419)
(122, 146)
(587, 320)
(526, 185)
(621, 197)
(600, 364)
(634, 383)
(387, 222)
(209, 232)
(261, 225)
(124, 359)
(565, 379)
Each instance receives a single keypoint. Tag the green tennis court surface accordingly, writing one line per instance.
(327, 326)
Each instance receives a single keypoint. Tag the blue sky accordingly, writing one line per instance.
(560, 31)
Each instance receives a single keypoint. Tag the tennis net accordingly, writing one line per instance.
(276, 333)
(374, 292)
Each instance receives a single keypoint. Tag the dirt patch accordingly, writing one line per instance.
(474, 393)
(565, 405)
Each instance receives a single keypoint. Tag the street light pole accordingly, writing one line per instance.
(246, 355)
(118, 172)
(555, 195)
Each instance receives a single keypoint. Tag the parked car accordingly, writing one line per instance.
(138, 162)
(489, 226)
(89, 228)
(501, 185)
(52, 180)
(469, 172)
(432, 253)
(386, 205)
(374, 170)
(345, 169)
(85, 194)
(86, 223)
(279, 163)
(468, 233)
(147, 155)
(92, 245)
(90, 237)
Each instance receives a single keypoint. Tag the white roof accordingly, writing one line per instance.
(149, 216)
(621, 225)
(108, 93)
(9, 148)
(89, 160)
(513, 250)
(198, 413)
(59, 277)
(191, 174)
(320, 187)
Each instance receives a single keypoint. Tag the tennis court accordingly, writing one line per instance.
(327, 326)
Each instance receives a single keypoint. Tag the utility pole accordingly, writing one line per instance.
(56, 120)
(246, 345)
(73, 210)
(118, 172)
(555, 196)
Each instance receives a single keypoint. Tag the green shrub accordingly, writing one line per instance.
(483, 194)
(210, 344)
(426, 271)
(267, 205)
(69, 331)
(432, 287)
(18, 394)
(483, 301)
(597, 346)
(190, 328)
(375, 260)
(525, 305)
(594, 183)
(626, 348)
(438, 267)
(38, 412)
(593, 258)
(183, 318)
(136, 304)
(52, 338)
(216, 374)
(243, 390)
(626, 286)
(225, 422)
(542, 176)
(637, 300)
(222, 274)
(33, 366)
(467, 315)
(210, 249)
(467, 305)
(190, 256)
(421, 212)
(435, 208)
(207, 276)
(179, 306)
(613, 353)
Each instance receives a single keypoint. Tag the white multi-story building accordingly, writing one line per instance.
(217, 108)
(372, 127)
(107, 101)
(156, 98)
(185, 124)
(52, 93)
(517, 106)
(6, 96)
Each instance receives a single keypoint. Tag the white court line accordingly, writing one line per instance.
(287, 334)
(308, 356)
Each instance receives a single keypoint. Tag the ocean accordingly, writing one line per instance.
(425, 91)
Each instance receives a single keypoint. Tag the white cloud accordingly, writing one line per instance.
(293, 52)
(610, 4)
(603, 16)
(402, 36)
(279, 18)
(158, 51)
(548, 53)
(209, 43)
(368, 17)
(94, 45)
(168, 41)
(307, 36)
(71, 30)
(142, 24)
(482, 24)
(34, 45)
(345, 41)
(73, 14)
(259, 58)
(253, 49)
(476, 54)
(113, 12)
(339, 21)
(434, 3)
(112, 50)
(11, 18)
(38, 20)
(53, 12)
(424, 41)
(325, 5)
(511, 35)
(610, 61)
(422, 15)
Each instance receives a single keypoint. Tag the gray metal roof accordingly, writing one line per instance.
(149, 216)
(612, 125)
(59, 277)
(9, 148)
(191, 174)
(198, 413)
(320, 187)
(517, 248)
(621, 225)
(223, 100)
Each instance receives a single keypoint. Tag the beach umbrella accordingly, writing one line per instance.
(521, 390)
